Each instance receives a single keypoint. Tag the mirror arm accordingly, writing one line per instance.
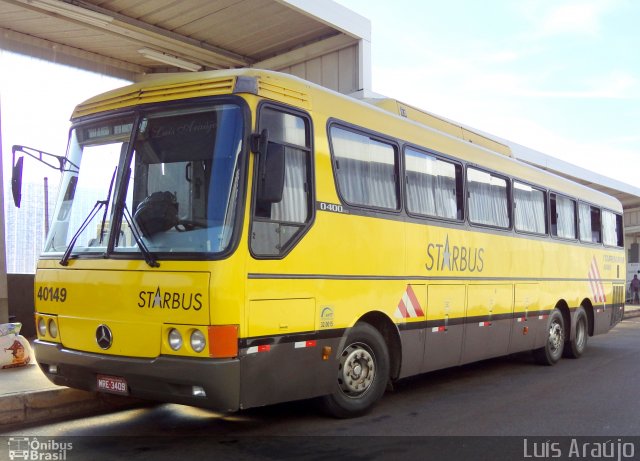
(41, 156)
(259, 141)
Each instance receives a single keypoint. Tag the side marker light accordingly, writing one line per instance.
(326, 352)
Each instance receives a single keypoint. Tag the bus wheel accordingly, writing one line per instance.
(576, 347)
(552, 350)
(363, 371)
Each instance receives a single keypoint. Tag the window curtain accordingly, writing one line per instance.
(365, 169)
(565, 209)
(431, 186)
(529, 209)
(609, 228)
(584, 212)
(488, 202)
(293, 206)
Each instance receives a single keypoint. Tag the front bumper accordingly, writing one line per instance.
(165, 379)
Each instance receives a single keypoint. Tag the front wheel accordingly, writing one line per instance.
(362, 374)
(576, 347)
(552, 350)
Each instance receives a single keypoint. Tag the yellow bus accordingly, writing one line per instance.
(238, 238)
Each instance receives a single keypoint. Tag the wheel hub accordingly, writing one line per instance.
(556, 337)
(357, 370)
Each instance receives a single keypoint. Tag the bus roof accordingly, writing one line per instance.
(409, 123)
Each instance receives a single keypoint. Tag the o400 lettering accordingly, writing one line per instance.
(52, 294)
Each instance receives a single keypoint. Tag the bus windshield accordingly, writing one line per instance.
(178, 181)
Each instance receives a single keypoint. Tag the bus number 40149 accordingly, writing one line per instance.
(52, 294)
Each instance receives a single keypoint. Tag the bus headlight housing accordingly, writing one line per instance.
(175, 339)
(53, 328)
(198, 341)
(42, 327)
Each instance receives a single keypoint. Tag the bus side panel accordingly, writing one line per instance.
(272, 317)
(412, 334)
(286, 371)
(603, 310)
(488, 323)
(525, 324)
(445, 326)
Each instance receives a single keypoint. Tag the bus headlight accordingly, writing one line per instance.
(42, 327)
(175, 339)
(198, 341)
(53, 328)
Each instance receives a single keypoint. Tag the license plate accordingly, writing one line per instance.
(113, 384)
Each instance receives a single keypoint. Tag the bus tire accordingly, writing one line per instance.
(362, 375)
(554, 345)
(575, 347)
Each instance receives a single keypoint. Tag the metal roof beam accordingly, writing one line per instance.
(145, 34)
(56, 52)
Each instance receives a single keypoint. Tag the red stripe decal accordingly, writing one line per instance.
(403, 309)
(414, 301)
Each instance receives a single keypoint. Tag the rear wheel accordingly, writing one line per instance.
(576, 346)
(362, 374)
(552, 350)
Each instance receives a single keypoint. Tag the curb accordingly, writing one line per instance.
(40, 406)
(631, 314)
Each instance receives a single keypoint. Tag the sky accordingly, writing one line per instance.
(36, 101)
(558, 76)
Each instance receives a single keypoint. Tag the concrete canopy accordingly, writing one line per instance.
(131, 38)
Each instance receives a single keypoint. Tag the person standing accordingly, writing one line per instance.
(635, 289)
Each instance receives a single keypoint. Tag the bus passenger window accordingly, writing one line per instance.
(589, 223)
(529, 206)
(366, 169)
(563, 217)
(434, 186)
(612, 230)
(488, 199)
(277, 226)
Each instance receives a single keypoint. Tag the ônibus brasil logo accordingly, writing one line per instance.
(33, 449)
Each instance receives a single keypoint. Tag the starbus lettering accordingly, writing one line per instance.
(454, 258)
(170, 300)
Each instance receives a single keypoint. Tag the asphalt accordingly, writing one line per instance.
(28, 397)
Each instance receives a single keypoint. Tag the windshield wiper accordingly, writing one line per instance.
(104, 216)
(149, 257)
(94, 211)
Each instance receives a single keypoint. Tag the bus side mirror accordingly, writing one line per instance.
(16, 182)
(271, 166)
(61, 164)
(271, 185)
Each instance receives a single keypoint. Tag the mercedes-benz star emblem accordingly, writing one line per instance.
(104, 337)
